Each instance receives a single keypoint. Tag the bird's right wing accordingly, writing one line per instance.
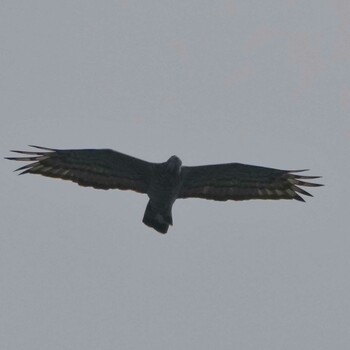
(98, 168)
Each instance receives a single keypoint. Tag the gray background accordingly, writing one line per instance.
(259, 82)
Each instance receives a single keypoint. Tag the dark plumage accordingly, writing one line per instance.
(165, 182)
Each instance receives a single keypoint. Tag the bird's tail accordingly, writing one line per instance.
(159, 219)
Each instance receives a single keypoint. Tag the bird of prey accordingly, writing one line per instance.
(164, 182)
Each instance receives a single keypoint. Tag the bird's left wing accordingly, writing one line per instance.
(98, 168)
(237, 181)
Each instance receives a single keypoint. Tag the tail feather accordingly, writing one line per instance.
(157, 219)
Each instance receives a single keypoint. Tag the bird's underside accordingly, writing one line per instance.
(165, 182)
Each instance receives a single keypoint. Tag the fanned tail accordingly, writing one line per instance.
(157, 219)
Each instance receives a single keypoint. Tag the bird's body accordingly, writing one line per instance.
(165, 182)
(163, 190)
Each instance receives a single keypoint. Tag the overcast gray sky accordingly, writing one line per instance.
(258, 82)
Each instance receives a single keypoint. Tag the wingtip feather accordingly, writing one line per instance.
(44, 148)
(298, 198)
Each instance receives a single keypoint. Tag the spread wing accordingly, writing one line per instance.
(98, 168)
(240, 182)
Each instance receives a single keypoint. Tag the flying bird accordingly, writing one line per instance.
(164, 182)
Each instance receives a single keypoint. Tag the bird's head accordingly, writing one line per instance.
(173, 165)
